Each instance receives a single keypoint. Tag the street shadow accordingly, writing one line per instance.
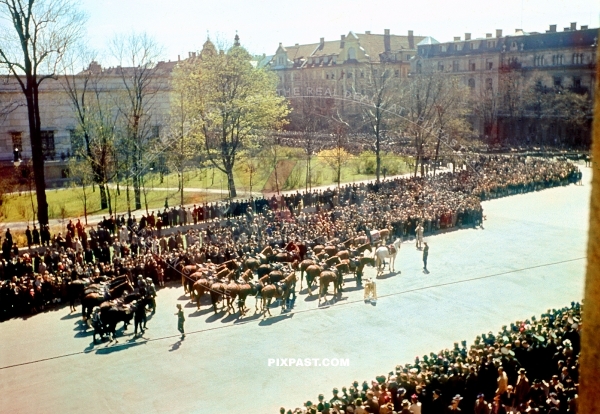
(387, 276)
(82, 333)
(274, 319)
(248, 318)
(176, 345)
(183, 297)
(215, 317)
(119, 346)
(426, 271)
(312, 298)
(352, 289)
(230, 318)
(71, 316)
(201, 312)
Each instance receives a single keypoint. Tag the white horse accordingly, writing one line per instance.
(387, 252)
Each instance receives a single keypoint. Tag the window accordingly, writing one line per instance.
(397, 73)
(491, 44)
(472, 65)
(457, 47)
(576, 82)
(374, 72)
(155, 131)
(443, 48)
(17, 141)
(489, 64)
(419, 67)
(489, 84)
(48, 144)
(455, 66)
(577, 58)
(472, 84)
(362, 74)
(440, 66)
(351, 53)
(471, 46)
(557, 81)
(349, 75)
(408, 57)
(538, 60)
(333, 75)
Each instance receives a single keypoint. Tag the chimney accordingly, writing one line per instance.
(457, 38)
(322, 43)
(342, 41)
(518, 30)
(584, 27)
(189, 54)
(297, 44)
(368, 32)
(386, 40)
(574, 26)
(498, 33)
(178, 58)
(488, 35)
(411, 40)
(552, 28)
(567, 29)
(467, 36)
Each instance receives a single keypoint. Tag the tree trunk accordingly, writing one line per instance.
(37, 152)
(377, 158)
(437, 151)
(103, 198)
(231, 183)
(137, 191)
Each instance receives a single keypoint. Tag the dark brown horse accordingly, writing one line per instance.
(96, 298)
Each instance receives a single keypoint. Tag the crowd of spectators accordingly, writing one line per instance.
(33, 279)
(530, 366)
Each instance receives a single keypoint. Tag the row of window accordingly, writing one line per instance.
(48, 147)
(471, 66)
(540, 60)
(491, 44)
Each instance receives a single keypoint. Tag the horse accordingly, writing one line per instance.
(75, 291)
(325, 278)
(303, 266)
(95, 298)
(385, 252)
(312, 272)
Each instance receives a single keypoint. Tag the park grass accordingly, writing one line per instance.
(68, 202)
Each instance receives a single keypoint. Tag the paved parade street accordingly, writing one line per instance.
(530, 257)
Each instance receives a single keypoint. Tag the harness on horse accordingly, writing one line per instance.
(391, 249)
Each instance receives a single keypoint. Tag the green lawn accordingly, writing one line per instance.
(69, 202)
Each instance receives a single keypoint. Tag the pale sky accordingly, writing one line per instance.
(181, 26)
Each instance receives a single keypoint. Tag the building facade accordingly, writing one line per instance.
(334, 69)
(497, 67)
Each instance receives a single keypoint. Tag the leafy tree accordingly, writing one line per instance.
(36, 36)
(229, 101)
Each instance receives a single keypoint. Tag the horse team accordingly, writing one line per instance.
(272, 274)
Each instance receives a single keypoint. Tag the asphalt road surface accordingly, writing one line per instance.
(530, 257)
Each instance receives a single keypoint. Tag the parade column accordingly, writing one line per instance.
(589, 380)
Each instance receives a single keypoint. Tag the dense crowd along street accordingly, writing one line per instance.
(217, 233)
(530, 366)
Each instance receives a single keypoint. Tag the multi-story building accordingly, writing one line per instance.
(336, 68)
(496, 66)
